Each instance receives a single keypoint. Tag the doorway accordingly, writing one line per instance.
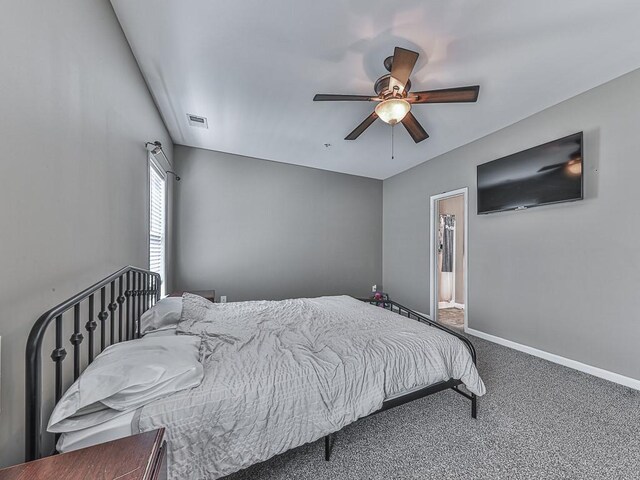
(448, 258)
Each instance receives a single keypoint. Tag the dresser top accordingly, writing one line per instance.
(128, 458)
(208, 294)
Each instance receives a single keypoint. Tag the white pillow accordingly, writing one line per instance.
(123, 426)
(126, 376)
(161, 333)
(163, 315)
(81, 421)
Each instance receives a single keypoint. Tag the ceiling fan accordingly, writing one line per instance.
(393, 93)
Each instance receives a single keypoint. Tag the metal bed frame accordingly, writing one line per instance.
(132, 291)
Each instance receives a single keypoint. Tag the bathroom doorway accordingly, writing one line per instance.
(449, 225)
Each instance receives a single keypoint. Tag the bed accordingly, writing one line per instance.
(298, 370)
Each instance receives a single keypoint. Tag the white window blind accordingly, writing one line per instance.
(157, 213)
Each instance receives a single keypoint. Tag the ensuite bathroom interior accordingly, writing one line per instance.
(451, 253)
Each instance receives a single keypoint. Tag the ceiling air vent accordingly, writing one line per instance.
(196, 121)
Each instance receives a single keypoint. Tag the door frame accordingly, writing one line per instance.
(433, 259)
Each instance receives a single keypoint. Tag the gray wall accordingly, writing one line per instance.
(75, 114)
(562, 278)
(253, 229)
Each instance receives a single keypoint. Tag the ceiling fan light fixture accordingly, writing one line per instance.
(393, 110)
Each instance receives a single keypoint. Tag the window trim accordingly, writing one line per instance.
(155, 165)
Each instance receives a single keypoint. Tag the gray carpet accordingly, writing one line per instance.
(538, 420)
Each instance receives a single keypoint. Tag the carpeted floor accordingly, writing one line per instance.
(538, 420)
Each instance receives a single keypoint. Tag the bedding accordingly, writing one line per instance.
(229, 323)
(286, 373)
(126, 376)
(164, 315)
(167, 332)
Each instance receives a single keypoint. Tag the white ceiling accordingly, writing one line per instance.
(252, 68)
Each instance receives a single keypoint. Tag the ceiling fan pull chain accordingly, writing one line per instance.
(392, 156)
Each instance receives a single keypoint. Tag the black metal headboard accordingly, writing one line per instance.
(122, 297)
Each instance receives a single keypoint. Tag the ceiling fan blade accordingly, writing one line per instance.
(362, 127)
(414, 128)
(401, 68)
(446, 95)
(326, 97)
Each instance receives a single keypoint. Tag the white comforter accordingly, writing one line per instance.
(290, 372)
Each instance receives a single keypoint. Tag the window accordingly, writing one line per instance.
(157, 217)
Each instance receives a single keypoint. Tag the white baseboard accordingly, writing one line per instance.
(451, 305)
(552, 357)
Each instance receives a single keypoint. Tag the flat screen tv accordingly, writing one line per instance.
(549, 173)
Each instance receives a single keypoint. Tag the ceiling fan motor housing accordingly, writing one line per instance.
(381, 87)
(388, 63)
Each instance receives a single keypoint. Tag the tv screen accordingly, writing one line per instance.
(549, 173)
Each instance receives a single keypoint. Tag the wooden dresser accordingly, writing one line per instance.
(208, 294)
(139, 457)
